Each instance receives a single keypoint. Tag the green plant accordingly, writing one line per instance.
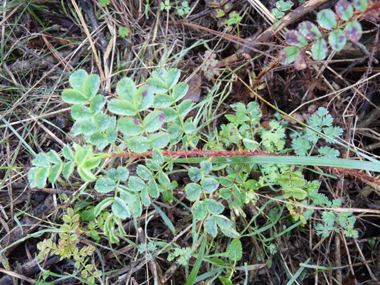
(281, 8)
(123, 32)
(104, 3)
(337, 27)
(68, 247)
(182, 8)
(153, 125)
(209, 67)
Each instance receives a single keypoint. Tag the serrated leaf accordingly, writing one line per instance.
(111, 135)
(170, 114)
(175, 131)
(144, 172)
(126, 89)
(159, 73)
(91, 163)
(113, 174)
(360, 5)
(73, 96)
(225, 182)
(130, 126)
(97, 103)
(206, 166)
(353, 31)
(41, 159)
(80, 113)
(41, 176)
(152, 189)
(193, 190)
(159, 140)
(136, 183)
(88, 128)
(299, 193)
(55, 171)
(77, 78)
(143, 98)
(172, 77)
(210, 226)
(214, 207)
(180, 91)
(162, 101)
(152, 165)
(209, 185)
(163, 178)
(32, 175)
(230, 232)
(105, 185)
(327, 19)
(103, 121)
(158, 157)
(53, 157)
(319, 49)
(97, 138)
(91, 86)
(235, 250)
(337, 40)
(190, 128)
(145, 197)
(68, 153)
(102, 205)
(344, 10)
(123, 173)
(68, 169)
(329, 218)
(199, 210)
(184, 108)
(158, 86)
(195, 174)
(136, 207)
(295, 38)
(138, 144)
(288, 55)
(154, 121)
(122, 107)
(223, 222)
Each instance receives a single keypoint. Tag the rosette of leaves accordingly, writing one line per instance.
(340, 26)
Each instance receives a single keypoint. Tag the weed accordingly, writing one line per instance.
(152, 118)
(338, 27)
